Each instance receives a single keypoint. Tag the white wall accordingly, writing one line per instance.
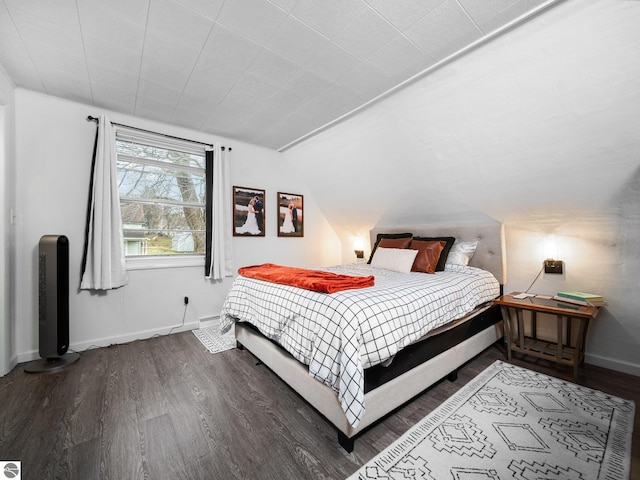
(54, 144)
(6, 203)
(537, 129)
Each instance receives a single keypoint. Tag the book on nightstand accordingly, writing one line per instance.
(581, 298)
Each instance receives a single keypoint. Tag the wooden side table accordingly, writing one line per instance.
(560, 351)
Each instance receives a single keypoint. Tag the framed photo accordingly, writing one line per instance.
(290, 215)
(248, 212)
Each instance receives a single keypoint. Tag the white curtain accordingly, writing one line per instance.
(104, 264)
(220, 254)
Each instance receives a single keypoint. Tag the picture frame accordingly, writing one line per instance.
(248, 212)
(290, 215)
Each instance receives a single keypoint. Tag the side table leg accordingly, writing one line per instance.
(580, 342)
(506, 320)
(559, 343)
(520, 316)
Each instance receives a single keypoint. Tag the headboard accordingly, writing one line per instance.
(490, 254)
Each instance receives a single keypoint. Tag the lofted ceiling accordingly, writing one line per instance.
(268, 72)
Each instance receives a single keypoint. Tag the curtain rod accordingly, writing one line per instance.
(97, 120)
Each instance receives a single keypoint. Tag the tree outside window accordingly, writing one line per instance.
(162, 199)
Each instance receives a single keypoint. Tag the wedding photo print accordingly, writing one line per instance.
(290, 220)
(248, 212)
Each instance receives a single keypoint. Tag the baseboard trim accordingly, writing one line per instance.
(80, 347)
(210, 321)
(613, 364)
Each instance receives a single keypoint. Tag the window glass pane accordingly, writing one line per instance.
(162, 229)
(162, 196)
(148, 152)
(152, 182)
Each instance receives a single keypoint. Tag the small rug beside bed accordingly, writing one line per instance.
(510, 422)
(211, 338)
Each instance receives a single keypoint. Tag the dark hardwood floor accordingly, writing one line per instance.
(165, 408)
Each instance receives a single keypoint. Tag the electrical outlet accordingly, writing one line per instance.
(186, 300)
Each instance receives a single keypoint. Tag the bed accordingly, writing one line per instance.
(352, 384)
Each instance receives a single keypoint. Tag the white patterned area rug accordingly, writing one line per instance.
(512, 423)
(211, 338)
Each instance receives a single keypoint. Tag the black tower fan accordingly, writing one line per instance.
(53, 306)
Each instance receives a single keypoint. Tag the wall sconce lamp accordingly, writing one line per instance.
(358, 248)
(552, 266)
(550, 248)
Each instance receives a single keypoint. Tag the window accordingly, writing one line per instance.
(161, 182)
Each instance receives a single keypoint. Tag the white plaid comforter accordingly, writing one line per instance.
(339, 335)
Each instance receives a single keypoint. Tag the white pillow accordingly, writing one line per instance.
(461, 252)
(396, 259)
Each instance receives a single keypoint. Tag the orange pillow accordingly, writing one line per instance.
(428, 255)
(395, 242)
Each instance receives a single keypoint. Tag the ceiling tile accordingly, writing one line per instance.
(236, 106)
(257, 19)
(228, 52)
(149, 89)
(104, 56)
(404, 13)
(227, 126)
(14, 55)
(267, 71)
(43, 37)
(167, 62)
(115, 103)
(253, 85)
(300, 88)
(256, 124)
(58, 55)
(364, 80)
(119, 21)
(60, 12)
(117, 94)
(328, 17)
(193, 110)
(65, 77)
(189, 119)
(444, 31)
(116, 79)
(208, 8)
(330, 104)
(224, 58)
(272, 67)
(290, 128)
(206, 84)
(492, 15)
(296, 41)
(286, 5)
(157, 102)
(178, 24)
(366, 34)
(399, 59)
(276, 107)
(331, 62)
(265, 75)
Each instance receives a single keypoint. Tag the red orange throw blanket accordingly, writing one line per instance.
(316, 280)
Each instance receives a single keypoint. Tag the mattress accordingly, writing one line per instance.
(339, 335)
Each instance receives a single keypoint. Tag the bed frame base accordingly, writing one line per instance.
(380, 401)
(348, 443)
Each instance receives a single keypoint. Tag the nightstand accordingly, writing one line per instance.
(561, 350)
